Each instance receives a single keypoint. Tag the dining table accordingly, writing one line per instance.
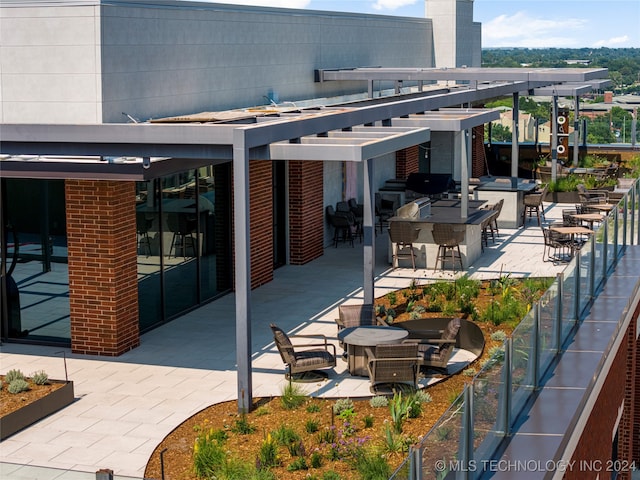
(357, 339)
(589, 218)
(604, 207)
(572, 231)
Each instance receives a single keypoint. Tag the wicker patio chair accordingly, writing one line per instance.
(448, 240)
(395, 364)
(435, 353)
(403, 234)
(303, 360)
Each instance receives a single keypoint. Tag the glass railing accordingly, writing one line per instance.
(476, 423)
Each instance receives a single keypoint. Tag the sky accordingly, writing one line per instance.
(514, 23)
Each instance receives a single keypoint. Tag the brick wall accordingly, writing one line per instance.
(596, 441)
(261, 221)
(478, 161)
(407, 161)
(629, 447)
(103, 286)
(306, 211)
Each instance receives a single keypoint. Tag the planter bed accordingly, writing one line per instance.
(37, 410)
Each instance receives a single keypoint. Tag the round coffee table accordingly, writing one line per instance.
(356, 339)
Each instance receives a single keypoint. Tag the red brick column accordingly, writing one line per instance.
(261, 221)
(407, 161)
(306, 211)
(103, 284)
(478, 160)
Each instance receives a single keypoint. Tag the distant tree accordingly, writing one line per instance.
(500, 133)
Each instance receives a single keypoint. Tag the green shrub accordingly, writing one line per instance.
(469, 372)
(368, 421)
(285, 435)
(379, 401)
(296, 449)
(208, 455)
(12, 375)
(392, 442)
(311, 426)
(262, 410)
(422, 396)
(316, 460)
(372, 466)
(392, 297)
(292, 396)
(499, 336)
(435, 305)
(399, 408)
(313, 408)
(343, 404)
(242, 426)
(298, 464)
(331, 475)
(40, 377)
(327, 435)
(467, 286)
(18, 386)
(268, 453)
(391, 315)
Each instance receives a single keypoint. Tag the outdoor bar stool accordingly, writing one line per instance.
(448, 241)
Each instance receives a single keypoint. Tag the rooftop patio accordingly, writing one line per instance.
(186, 365)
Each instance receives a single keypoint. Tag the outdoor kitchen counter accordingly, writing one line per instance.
(427, 249)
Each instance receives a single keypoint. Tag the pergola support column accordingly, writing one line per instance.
(242, 259)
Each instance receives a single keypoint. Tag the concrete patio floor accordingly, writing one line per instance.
(126, 405)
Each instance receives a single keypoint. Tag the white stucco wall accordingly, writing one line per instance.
(457, 39)
(50, 67)
(77, 62)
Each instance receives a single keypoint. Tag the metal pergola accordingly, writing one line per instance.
(357, 133)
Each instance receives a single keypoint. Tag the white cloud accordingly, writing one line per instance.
(612, 42)
(269, 3)
(392, 4)
(525, 30)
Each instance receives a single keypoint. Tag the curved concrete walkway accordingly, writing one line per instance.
(126, 405)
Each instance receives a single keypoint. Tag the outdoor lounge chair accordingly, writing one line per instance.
(435, 353)
(395, 364)
(592, 196)
(303, 360)
(355, 316)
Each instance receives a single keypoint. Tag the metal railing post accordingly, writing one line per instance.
(576, 300)
(465, 455)
(592, 269)
(632, 240)
(605, 246)
(616, 226)
(503, 418)
(535, 345)
(558, 316)
(625, 220)
(415, 462)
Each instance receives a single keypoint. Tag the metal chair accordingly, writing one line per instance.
(592, 196)
(402, 236)
(395, 364)
(435, 353)
(183, 227)
(448, 240)
(143, 225)
(342, 226)
(303, 360)
(533, 204)
(560, 245)
(384, 210)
